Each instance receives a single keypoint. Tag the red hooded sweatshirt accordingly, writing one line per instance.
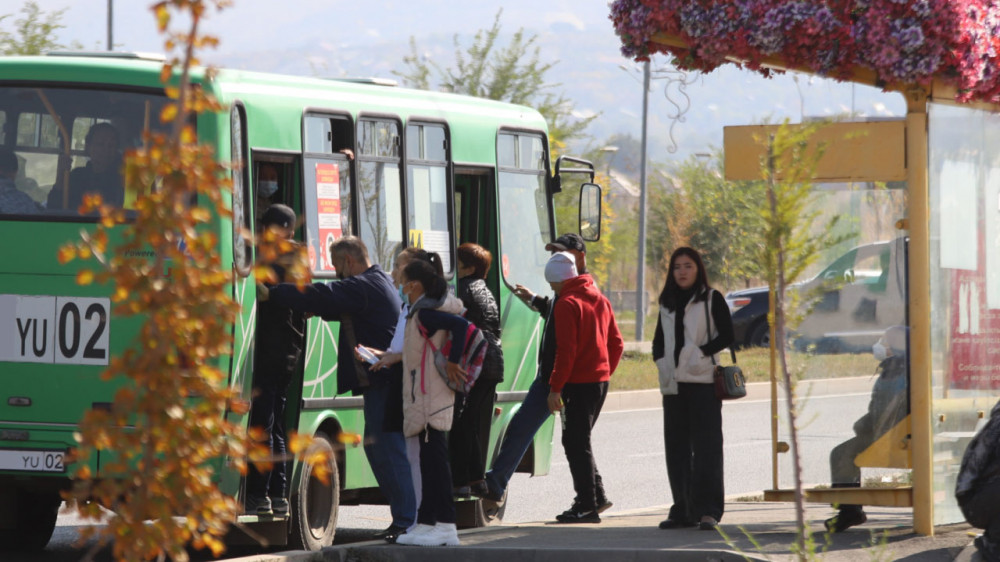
(588, 343)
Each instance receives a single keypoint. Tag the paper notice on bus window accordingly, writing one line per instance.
(439, 241)
(959, 235)
(327, 210)
(421, 187)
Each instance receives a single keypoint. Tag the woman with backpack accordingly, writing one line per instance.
(428, 401)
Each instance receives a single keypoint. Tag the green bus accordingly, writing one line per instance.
(358, 157)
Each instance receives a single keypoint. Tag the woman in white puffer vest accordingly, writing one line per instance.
(684, 347)
(428, 402)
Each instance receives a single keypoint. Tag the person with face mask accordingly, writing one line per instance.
(267, 186)
(888, 406)
(366, 302)
(393, 356)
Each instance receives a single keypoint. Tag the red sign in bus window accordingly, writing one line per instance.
(328, 209)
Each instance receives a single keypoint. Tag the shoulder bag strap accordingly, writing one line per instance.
(708, 328)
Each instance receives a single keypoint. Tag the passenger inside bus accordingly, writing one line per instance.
(101, 175)
(12, 200)
(268, 188)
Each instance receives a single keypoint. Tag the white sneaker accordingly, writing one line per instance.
(410, 536)
(442, 534)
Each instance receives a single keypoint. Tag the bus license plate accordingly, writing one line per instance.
(35, 461)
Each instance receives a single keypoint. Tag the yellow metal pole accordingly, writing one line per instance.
(774, 393)
(920, 310)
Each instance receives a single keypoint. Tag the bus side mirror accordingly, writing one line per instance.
(590, 212)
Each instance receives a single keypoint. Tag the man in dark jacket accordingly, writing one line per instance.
(978, 486)
(367, 305)
(280, 338)
(534, 409)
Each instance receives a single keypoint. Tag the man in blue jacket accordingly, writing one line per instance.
(367, 305)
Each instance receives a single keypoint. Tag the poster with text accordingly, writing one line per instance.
(328, 210)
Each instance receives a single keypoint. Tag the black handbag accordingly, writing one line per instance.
(730, 383)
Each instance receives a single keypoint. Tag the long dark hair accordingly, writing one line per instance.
(425, 272)
(668, 296)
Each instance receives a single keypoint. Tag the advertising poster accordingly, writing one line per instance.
(328, 210)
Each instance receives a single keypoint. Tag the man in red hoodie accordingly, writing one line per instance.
(588, 348)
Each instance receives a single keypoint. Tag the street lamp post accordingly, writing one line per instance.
(640, 291)
(110, 44)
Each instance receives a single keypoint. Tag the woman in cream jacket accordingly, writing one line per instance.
(683, 347)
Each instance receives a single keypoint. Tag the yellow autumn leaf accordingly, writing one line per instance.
(169, 113)
(84, 277)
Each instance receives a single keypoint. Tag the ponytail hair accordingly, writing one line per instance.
(414, 253)
(427, 273)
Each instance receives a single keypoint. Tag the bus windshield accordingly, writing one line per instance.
(57, 144)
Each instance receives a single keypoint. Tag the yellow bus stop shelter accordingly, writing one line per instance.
(949, 158)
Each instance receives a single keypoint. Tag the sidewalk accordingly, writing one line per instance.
(888, 535)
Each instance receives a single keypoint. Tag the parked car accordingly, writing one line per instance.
(858, 296)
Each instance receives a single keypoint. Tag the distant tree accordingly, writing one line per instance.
(513, 73)
(34, 33)
(720, 218)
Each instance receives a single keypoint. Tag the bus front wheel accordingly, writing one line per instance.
(317, 500)
(34, 520)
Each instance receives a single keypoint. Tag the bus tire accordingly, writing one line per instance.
(480, 512)
(315, 503)
(35, 521)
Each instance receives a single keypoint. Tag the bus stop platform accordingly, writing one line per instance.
(755, 531)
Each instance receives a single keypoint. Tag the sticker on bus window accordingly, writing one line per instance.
(328, 210)
(63, 330)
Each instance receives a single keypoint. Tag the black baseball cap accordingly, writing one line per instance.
(566, 242)
(278, 215)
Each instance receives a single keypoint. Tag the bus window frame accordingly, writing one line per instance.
(326, 113)
(375, 116)
(130, 215)
(544, 173)
(449, 179)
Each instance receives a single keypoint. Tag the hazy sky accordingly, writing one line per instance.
(332, 37)
(261, 24)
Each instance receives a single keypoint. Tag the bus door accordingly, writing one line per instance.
(476, 215)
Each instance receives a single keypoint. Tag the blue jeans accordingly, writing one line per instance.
(522, 429)
(386, 452)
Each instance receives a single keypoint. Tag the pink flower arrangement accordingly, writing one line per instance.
(902, 41)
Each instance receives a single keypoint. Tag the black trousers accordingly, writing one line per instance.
(582, 403)
(466, 440)
(692, 436)
(436, 502)
(267, 411)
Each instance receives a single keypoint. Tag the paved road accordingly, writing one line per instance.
(629, 450)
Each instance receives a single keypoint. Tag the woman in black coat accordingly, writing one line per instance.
(469, 436)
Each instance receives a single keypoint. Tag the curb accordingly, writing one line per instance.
(624, 400)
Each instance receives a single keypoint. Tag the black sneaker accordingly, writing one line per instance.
(257, 505)
(461, 492)
(578, 516)
(390, 533)
(845, 519)
(480, 489)
(603, 505)
(279, 506)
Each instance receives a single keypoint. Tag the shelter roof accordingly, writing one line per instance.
(888, 43)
